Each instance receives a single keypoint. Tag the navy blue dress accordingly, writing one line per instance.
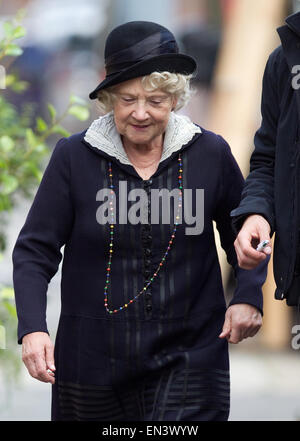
(159, 359)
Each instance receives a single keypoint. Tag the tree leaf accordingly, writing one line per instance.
(74, 99)
(10, 308)
(41, 148)
(5, 205)
(41, 124)
(20, 86)
(19, 32)
(13, 50)
(3, 164)
(60, 130)
(6, 143)
(10, 79)
(9, 184)
(7, 292)
(8, 29)
(31, 138)
(52, 112)
(33, 169)
(80, 112)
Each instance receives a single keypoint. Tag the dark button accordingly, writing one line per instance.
(146, 227)
(148, 296)
(147, 182)
(292, 164)
(147, 252)
(298, 45)
(148, 308)
(146, 236)
(147, 240)
(147, 263)
(147, 273)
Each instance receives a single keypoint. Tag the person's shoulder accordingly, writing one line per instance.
(70, 142)
(276, 63)
(213, 140)
(214, 147)
(74, 138)
(276, 54)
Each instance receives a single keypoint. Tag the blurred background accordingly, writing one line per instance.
(52, 52)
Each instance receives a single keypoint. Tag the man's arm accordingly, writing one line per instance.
(258, 193)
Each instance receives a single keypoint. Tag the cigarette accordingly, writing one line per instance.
(262, 245)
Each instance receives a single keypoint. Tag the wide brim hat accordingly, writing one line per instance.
(139, 48)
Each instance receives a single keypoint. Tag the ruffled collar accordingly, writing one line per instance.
(103, 135)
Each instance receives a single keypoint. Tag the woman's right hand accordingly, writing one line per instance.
(38, 356)
(255, 229)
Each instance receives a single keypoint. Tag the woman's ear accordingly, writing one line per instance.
(174, 103)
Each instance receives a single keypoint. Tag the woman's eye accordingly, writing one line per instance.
(156, 103)
(128, 100)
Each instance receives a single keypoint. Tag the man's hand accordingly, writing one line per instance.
(241, 321)
(254, 230)
(38, 356)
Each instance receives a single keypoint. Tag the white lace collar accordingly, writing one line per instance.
(103, 135)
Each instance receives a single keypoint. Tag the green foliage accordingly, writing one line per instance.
(9, 353)
(23, 155)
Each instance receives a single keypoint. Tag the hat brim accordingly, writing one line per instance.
(175, 63)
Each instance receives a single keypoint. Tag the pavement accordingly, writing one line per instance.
(264, 387)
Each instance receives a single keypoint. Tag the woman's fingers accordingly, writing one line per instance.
(245, 321)
(37, 355)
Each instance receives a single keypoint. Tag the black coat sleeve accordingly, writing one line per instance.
(248, 282)
(258, 192)
(36, 254)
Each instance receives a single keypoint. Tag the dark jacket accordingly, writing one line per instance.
(147, 361)
(272, 187)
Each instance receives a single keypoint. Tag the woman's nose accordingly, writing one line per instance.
(140, 111)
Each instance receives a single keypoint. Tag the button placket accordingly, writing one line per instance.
(146, 245)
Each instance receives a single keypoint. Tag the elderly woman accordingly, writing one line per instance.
(143, 332)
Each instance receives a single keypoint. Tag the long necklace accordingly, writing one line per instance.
(155, 274)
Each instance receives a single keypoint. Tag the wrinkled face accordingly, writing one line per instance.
(141, 117)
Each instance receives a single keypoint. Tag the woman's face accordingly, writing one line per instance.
(141, 117)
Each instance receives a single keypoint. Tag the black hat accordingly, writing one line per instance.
(139, 48)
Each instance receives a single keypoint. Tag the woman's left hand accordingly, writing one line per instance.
(241, 321)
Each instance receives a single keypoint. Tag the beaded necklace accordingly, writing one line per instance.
(111, 205)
